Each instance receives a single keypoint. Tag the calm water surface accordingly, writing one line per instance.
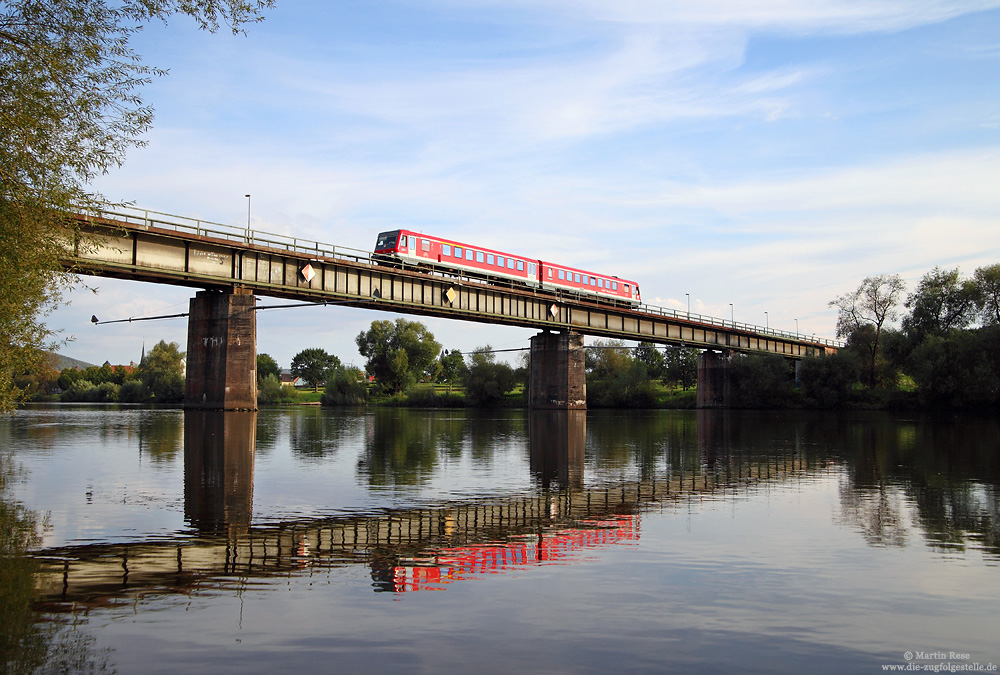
(311, 540)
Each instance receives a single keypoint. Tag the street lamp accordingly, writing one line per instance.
(248, 216)
(732, 315)
(689, 304)
(796, 326)
(767, 326)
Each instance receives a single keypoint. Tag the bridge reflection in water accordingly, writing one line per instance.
(405, 549)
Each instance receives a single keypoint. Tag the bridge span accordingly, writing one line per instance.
(233, 265)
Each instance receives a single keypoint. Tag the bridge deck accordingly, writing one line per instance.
(162, 251)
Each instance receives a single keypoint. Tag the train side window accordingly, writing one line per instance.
(479, 256)
(532, 269)
(520, 265)
(600, 282)
(468, 253)
(489, 258)
(550, 273)
(628, 289)
(576, 277)
(499, 261)
(445, 249)
(458, 251)
(614, 285)
(593, 282)
(402, 241)
(510, 263)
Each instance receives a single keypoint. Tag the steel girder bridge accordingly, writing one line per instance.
(236, 264)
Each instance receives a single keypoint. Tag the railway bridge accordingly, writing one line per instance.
(232, 265)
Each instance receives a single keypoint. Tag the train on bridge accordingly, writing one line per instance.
(421, 249)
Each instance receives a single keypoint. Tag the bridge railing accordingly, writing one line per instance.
(244, 235)
(736, 325)
(165, 221)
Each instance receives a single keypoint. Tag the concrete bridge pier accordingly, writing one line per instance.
(714, 379)
(557, 378)
(222, 351)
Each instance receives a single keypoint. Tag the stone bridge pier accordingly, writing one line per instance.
(222, 351)
(557, 379)
(714, 379)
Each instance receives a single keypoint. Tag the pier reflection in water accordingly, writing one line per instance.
(218, 470)
(556, 441)
(780, 536)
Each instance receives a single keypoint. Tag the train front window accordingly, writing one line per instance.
(386, 240)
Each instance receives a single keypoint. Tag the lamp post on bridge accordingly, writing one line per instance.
(796, 326)
(767, 325)
(732, 315)
(689, 305)
(248, 217)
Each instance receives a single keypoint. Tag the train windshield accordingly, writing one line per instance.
(387, 240)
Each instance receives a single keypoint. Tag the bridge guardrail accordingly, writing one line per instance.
(736, 325)
(148, 218)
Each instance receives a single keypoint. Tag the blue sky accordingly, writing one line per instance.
(766, 154)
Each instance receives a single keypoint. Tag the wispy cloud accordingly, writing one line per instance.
(742, 152)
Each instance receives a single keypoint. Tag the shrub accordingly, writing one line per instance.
(132, 391)
(428, 398)
(828, 381)
(487, 381)
(164, 387)
(270, 391)
(85, 391)
(762, 381)
(346, 386)
(627, 388)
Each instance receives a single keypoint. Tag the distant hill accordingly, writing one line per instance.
(61, 362)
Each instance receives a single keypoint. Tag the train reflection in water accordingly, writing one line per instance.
(467, 562)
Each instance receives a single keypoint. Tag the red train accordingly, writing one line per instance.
(414, 247)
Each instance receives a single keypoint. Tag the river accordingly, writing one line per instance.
(392, 540)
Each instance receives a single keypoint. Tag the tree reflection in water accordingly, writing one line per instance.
(949, 470)
(28, 642)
